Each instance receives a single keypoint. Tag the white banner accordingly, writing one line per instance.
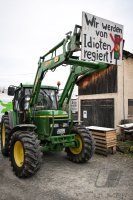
(102, 40)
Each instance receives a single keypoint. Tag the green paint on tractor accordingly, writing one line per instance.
(38, 122)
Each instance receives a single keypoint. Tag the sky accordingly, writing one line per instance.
(30, 28)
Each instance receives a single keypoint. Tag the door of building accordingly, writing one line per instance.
(98, 112)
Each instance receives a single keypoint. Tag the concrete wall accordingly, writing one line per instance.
(125, 88)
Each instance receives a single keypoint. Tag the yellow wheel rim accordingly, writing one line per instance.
(19, 153)
(77, 150)
(3, 139)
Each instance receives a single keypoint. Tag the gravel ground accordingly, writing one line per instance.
(109, 178)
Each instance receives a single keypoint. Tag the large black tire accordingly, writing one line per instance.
(84, 151)
(5, 135)
(25, 153)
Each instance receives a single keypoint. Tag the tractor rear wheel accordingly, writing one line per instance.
(85, 146)
(25, 154)
(5, 135)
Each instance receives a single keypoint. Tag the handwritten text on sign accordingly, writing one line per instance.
(102, 40)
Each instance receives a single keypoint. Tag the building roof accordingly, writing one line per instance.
(127, 54)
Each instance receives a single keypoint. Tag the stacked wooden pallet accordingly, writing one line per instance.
(105, 139)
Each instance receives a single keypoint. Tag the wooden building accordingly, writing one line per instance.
(106, 98)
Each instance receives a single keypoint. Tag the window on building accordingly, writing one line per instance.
(130, 106)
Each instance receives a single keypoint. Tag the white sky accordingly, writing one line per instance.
(30, 28)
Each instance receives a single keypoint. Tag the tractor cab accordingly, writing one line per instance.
(47, 100)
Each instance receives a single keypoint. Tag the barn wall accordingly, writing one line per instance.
(99, 83)
(121, 92)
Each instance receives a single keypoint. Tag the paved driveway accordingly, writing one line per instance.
(102, 178)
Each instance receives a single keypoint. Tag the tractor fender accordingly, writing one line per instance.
(25, 127)
(10, 119)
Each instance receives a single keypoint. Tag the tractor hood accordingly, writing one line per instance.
(50, 114)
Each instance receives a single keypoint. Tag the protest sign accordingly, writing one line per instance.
(102, 40)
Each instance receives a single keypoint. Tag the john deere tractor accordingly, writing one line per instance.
(38, 123)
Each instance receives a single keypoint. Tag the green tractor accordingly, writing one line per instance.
(38, 123)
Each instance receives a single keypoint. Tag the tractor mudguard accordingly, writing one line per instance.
(26, 127)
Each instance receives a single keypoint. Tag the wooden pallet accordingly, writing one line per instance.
(105, 139)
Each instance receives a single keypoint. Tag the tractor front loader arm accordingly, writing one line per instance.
(69, 45)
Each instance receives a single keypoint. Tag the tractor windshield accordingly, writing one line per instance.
(47, 99)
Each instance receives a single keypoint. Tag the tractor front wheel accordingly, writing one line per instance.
(25, 154)
(84, 148)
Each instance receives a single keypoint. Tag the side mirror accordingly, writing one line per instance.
(11, 90)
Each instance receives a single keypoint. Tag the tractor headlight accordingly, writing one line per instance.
(55, 125)
(65, 124)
